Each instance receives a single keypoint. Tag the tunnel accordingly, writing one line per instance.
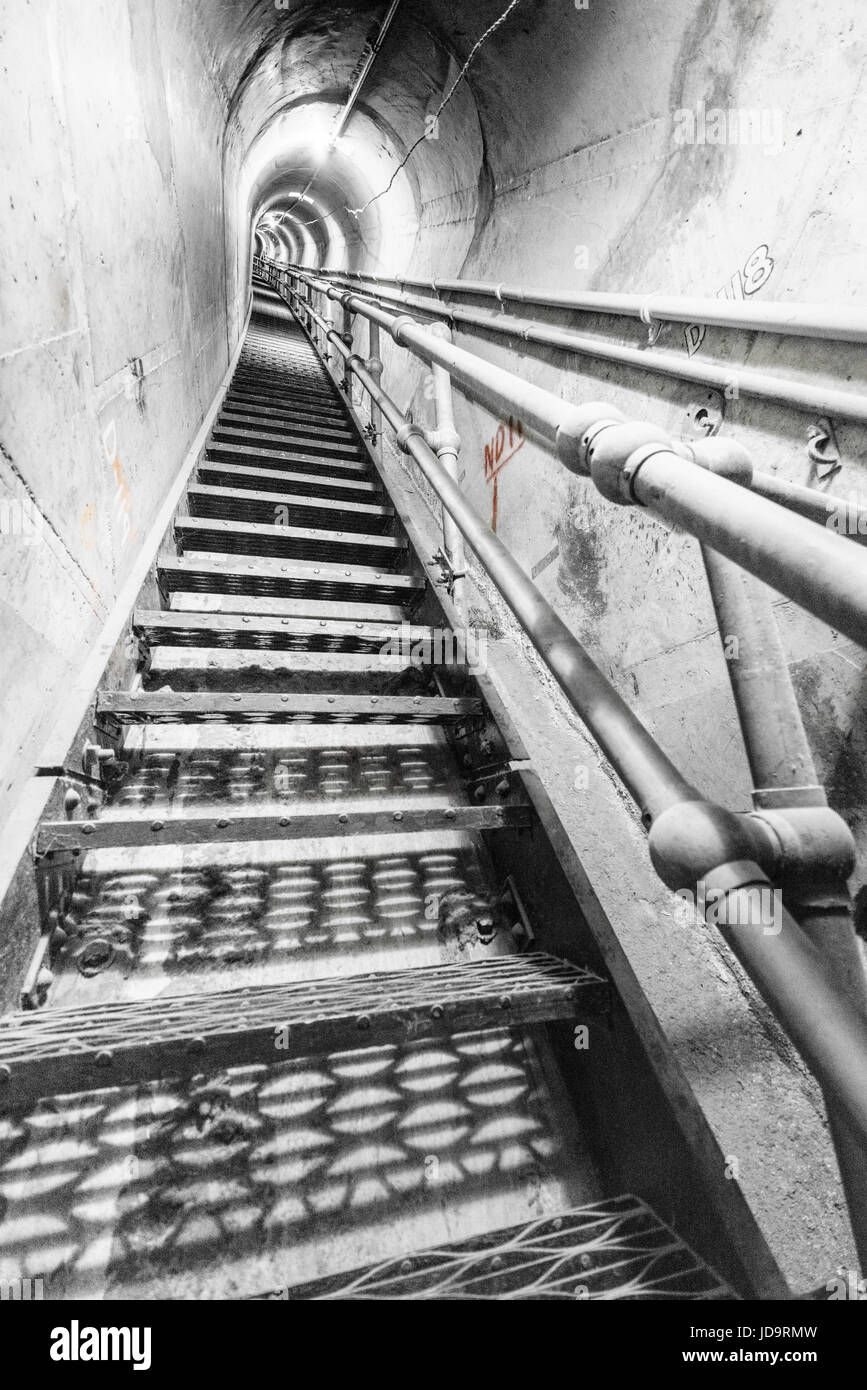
(434, 599)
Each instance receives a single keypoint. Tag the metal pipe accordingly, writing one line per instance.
(837, 513)
(374, 367)
(790, 974)
(365, 69)
(446, 448)
(826, 321)
(799, 559)
(827, 923)
(776, 745)
(821, 400)
(784, 774)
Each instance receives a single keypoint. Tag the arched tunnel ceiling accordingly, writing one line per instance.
(296, 64)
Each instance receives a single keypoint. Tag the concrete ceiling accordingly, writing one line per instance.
(286, 73)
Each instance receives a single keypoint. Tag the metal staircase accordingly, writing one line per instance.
(287, 1014)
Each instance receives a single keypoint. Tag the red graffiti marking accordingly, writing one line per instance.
(504, 446)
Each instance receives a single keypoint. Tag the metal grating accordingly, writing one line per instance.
(293, 579)
(616, 1249)
(255, 504)
(273, 633)
(296, 542)
(238, 476)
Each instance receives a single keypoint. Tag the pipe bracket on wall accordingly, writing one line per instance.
(703, 416)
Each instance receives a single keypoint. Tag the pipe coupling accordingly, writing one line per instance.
(719, 455)
(811, 844)
(374, 366)
(692, 839)
(407, 432)
(577, 429)
(615, 454)
(402, 322)
(443, 441)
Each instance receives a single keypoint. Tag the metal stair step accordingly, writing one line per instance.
(239, 476)
(265, 410)
(288, 391)
(63, 1051)
(317, 441)
(278, 445)
(298, 579)
(279, 458)
(209, 707)
(250, 504)
(286, 406)
(614, 1249)
(296, 542)
(274, 634)
(230, 419)
(239, 669)
(108, 832)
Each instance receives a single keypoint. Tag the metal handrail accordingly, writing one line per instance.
(692, 840)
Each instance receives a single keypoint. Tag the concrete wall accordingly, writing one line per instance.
(112, 230)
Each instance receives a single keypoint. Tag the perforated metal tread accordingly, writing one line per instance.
(70, 1050)
(299, 460)
(258, 504)
(615, 1249)
(301, 542)
(205, 573)
(272, 633)
(242, 476)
